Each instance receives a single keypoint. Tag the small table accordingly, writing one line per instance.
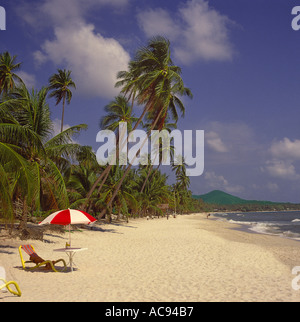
(70, 251)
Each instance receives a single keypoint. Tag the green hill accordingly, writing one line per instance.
(222, 198)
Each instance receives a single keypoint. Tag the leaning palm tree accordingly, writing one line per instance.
(182, 182)
(162, 151)
(156, 192)
(8, 67)
(59, 85)
(117, 111)
(156, 82)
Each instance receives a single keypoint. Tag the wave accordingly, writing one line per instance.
(268, 228)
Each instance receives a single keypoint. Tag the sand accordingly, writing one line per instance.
(187, 259)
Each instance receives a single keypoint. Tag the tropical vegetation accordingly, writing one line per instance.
(42, 171)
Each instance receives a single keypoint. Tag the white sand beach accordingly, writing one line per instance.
(189, 258)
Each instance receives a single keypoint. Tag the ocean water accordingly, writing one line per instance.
(280, 223)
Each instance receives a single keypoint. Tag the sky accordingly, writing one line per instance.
(241, 59)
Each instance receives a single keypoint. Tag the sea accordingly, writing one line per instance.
(280, 223)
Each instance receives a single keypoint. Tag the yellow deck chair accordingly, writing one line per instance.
(6, 285)
(29, 250)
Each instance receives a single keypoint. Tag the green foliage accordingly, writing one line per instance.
(41, 173)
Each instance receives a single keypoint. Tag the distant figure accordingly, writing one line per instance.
(208, 216)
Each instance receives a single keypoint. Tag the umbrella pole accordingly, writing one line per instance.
(70, 235)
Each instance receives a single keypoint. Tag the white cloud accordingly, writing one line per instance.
(28, 79)
(286, 149)
(61, 12)
(215, 142)
(218, 182)
(93, 59)
(215, 180)
(235, 142)
(39, 57)
(197, 30)
(158, 22)
(281, 169)
(283, 157)
(57, 127)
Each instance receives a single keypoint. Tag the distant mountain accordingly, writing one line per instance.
(222, 198)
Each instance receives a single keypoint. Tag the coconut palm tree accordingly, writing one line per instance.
(59, 85)
(124, 199)
(34, 163)
(8, 67)
(182, 183)
(81, 179)
(156, 82)
(156, 192)
(161, 151)
(117, 111)
(151, 76)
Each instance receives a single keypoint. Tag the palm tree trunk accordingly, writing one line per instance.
(23, 221)
(149, 172)
(107, 170)
(146, 180)
(95, 185)
(130, 165)
(148, 175)
(63, 114)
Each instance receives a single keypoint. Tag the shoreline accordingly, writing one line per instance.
(187, 259)
(250, 227)
(269, 241)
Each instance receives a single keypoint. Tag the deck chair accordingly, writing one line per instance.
(37, 260)
(5, 286)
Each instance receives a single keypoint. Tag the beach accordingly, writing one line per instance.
(186, 259)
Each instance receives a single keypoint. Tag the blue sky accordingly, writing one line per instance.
(240, 58)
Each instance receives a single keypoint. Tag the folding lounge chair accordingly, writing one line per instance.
(6, 285)
(38, 261)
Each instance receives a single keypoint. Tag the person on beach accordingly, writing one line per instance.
(208, 216)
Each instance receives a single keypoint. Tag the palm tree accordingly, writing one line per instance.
(34, 164)
(155, 81)
(156, 192)
(79, 184)
(124, 198)
(8, 66)
(161, 151)
(60, 84)
(182, 179)
(117, 111)
(182, 183)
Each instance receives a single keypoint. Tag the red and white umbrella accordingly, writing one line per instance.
(68, 217)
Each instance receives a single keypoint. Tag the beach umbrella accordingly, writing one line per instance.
(68, 217)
